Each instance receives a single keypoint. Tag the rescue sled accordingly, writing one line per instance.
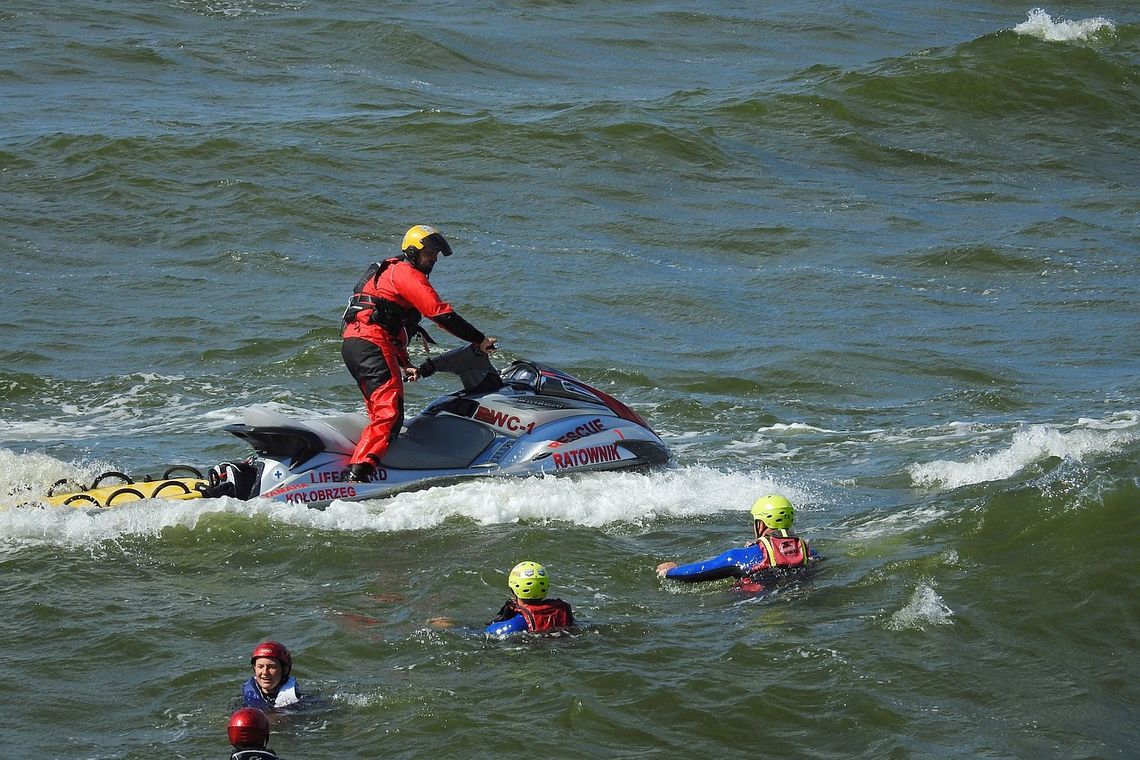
(112, 489)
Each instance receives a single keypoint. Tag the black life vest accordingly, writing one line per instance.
(387, 314)
(251, 753)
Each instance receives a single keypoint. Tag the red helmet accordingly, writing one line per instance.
(275, 651)
(248, 728)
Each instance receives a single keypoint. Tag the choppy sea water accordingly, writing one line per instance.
(879, 258)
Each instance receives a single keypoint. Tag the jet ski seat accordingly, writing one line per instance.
(441, 442)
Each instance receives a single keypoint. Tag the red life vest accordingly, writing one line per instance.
(543, 616)
(783, 551)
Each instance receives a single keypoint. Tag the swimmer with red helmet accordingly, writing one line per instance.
(272, 685)
(249, 735)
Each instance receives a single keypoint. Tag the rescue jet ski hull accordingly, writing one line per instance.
(529, 420)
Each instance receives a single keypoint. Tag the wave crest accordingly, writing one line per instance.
(1029, 445)
(1041, 25)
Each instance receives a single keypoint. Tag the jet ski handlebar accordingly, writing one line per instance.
(473, 367)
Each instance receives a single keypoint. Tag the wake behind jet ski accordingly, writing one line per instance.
(529, 420)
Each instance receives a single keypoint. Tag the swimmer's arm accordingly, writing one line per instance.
(500, 628)
(734, 563)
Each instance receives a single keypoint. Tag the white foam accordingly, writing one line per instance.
(1041, 25)
(1031, 444)
(152, 402)
(896, 523)
(925, 607)
(793, 427)
(26, 475)
(76, 527)
(41, 430)
(592, 500)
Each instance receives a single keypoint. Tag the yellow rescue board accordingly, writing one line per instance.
(123, 493)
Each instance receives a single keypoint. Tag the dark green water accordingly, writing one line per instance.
(880, 259)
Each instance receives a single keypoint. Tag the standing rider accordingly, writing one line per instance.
(386, 307)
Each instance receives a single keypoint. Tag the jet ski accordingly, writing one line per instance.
(530, 419)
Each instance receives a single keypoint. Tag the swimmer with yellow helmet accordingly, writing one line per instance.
(529, 609)
(774, 549)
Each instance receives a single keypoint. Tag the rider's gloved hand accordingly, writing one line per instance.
(427, 369)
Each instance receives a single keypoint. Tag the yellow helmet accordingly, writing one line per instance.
(774, 511)
(528, 580)
(422, 237)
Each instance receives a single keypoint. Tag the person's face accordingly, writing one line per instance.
(425, 260)
(267, 673)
